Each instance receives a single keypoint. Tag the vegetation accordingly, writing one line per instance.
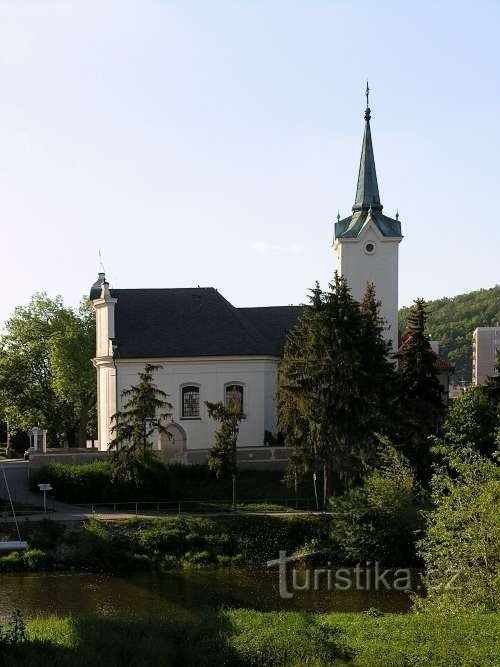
(336, 383)
(95, 483)
(462, 539)
(420, 399)
(452, 320)
(378, 520)
(133, 427)
(473, 421)
(244, 638)
(222, 460)
(46, 376)
(166, 543)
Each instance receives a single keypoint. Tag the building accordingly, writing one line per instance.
(485, 347)
(207, 348)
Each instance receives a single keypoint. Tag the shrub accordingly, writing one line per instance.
(463, 535)
(378, 520)
(35, 559)
(11, 562)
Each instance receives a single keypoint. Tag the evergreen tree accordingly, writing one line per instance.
(421, 394)
(222, 458)
(133, 426)
(333, 381)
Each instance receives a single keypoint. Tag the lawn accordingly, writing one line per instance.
(241, 637)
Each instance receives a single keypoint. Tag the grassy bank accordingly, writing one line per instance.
(166, 543)
(243, 638)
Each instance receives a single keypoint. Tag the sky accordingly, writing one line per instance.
(212, 143)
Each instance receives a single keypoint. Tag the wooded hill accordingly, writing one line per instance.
(451, 321)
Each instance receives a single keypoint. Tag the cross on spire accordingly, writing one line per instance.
(367, 95)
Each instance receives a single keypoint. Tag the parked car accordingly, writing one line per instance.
(28, 452)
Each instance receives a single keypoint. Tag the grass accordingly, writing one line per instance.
(242, 637)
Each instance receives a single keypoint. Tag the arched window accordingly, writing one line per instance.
(191, 402)
(234, 392)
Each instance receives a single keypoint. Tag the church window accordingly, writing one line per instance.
(370, 248)
(234, 392)
(190, 402)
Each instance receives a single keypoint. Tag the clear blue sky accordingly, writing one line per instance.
(211, 143)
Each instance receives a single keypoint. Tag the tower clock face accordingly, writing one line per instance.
(370, 248)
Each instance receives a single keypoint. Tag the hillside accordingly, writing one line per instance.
(452, 321)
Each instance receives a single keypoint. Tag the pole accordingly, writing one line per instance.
(234, 491)
(45, 502)
(315, 491)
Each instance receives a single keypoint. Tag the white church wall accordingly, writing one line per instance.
(257, 375)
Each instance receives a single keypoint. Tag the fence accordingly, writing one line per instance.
(267, 505)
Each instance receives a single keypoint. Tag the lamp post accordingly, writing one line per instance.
(44, 488)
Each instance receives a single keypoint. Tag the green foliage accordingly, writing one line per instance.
(245, 638)
(451, 321)
(378, 520)
(421, 400)
(473, 421)
(133, 426)
(463, 532)
(13, 633)
(46, 375)
(336, 382)
(222, 459)
(94, 483)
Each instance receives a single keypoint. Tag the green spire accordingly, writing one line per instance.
(367, 191)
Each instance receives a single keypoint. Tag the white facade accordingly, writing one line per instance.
(255, 375)
(372, 257)
(485, 345)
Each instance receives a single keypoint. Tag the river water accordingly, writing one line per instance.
(181, 593)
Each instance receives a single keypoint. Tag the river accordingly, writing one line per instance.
(181, 593)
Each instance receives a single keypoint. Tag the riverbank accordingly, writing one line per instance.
(165, 543)
(242, 637)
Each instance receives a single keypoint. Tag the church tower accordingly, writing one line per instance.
(367, 242)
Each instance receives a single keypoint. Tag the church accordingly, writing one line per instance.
(208, 349)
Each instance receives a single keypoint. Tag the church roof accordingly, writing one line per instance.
(195, 322)
(367, 202)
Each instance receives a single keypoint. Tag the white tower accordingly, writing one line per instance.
(367, 242)
(104, 362)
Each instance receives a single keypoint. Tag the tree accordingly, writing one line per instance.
(133, 426)
(421, 400)
(46, 374)
(335, 382)
(222, 458)
(472, 421)
(462, 536)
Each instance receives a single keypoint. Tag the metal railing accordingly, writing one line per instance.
(265, 505)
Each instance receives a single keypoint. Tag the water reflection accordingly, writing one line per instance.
(179, 594)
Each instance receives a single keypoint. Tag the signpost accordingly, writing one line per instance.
(44, 488)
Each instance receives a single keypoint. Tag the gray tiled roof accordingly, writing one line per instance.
(195, 322)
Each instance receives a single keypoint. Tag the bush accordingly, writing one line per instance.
(463, 536)
(35, 559)
(94, 483)
(378, 520)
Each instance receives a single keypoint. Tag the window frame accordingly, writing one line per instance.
(183, 389)
(242, 386)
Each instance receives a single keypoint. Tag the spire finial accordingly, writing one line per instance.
(367, 110)
(338, 216)
(397, 214)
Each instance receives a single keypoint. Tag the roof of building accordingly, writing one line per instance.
(195, 322)
(367, 203)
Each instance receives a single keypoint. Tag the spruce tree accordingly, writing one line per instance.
(334, 378)
(421, 394)
(133, 426)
